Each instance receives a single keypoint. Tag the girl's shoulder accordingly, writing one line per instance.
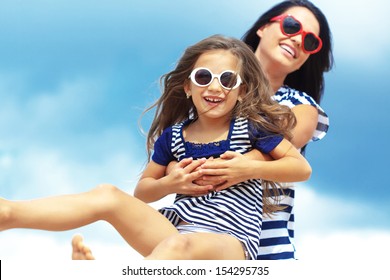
(176, 127)
(171, 132)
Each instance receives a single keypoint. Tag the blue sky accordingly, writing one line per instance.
(75, 77)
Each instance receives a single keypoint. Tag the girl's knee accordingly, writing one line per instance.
(107, 195)
(106, 189)
(179, 242)
(177, 247)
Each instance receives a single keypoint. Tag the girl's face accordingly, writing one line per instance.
(285, 52)
(213, 101)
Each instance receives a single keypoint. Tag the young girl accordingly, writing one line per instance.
(216, 99)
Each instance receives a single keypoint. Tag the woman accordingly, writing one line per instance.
(292, 41)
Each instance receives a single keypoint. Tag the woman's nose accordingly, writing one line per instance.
(297, 39)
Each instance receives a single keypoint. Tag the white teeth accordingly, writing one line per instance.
(288, 49)
(214, 100)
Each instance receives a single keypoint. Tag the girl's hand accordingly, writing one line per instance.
(209, 179)
(230, 169)
(184, 173)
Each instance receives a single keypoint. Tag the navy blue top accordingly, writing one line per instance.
(259, 139)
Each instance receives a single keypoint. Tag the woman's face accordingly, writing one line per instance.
(278, 51)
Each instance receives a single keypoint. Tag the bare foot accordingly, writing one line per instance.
(79, 250)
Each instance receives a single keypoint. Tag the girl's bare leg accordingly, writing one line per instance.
(139, 224)
(199, 246)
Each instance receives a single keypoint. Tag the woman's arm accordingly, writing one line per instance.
(154, 184)
(307, 119)
(287, 165)
(240, 168)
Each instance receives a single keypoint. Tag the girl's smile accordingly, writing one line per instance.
(213, 100)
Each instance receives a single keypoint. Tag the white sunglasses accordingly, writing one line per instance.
(203, 77)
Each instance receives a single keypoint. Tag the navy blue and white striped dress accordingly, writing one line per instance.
(236, 210)
(277, 235)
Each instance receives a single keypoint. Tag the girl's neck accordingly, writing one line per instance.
(207, 130)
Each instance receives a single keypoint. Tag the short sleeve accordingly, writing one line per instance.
(291, 98)
(162, 153)
(264, 141)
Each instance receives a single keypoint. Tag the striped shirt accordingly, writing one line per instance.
(277, 235)
(236, 210)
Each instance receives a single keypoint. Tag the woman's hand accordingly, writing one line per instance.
(231, 168)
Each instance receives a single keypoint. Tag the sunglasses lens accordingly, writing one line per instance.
(203, 77)
(228, 79)
(311, 42)
(291, 26)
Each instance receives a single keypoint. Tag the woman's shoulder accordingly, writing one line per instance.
(293, 97)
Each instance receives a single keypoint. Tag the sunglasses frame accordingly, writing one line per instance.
(213, 76)
(303, 33)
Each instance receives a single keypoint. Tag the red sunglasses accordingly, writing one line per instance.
(290, 26)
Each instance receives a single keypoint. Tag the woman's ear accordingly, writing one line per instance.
(260, 31)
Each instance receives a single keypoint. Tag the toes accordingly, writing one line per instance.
(76, 240)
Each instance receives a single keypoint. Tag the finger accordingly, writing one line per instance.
(228, 155)
(209, 180)
(184, 162)
(222, 186)
(216, 182)
(196, 190)
(202, 190)
(215, 164)
(213, 171)
(194, 165)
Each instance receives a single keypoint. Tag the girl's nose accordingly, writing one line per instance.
(215, 85)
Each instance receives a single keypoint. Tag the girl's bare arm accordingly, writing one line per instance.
(154, 184)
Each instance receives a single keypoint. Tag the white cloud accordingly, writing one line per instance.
(315, 212)
(329, 228)
(41, 151)
(36, 112)
(345, 245)
(42, 172)
(358, 28)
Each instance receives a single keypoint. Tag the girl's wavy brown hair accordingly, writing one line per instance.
(256, 103)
